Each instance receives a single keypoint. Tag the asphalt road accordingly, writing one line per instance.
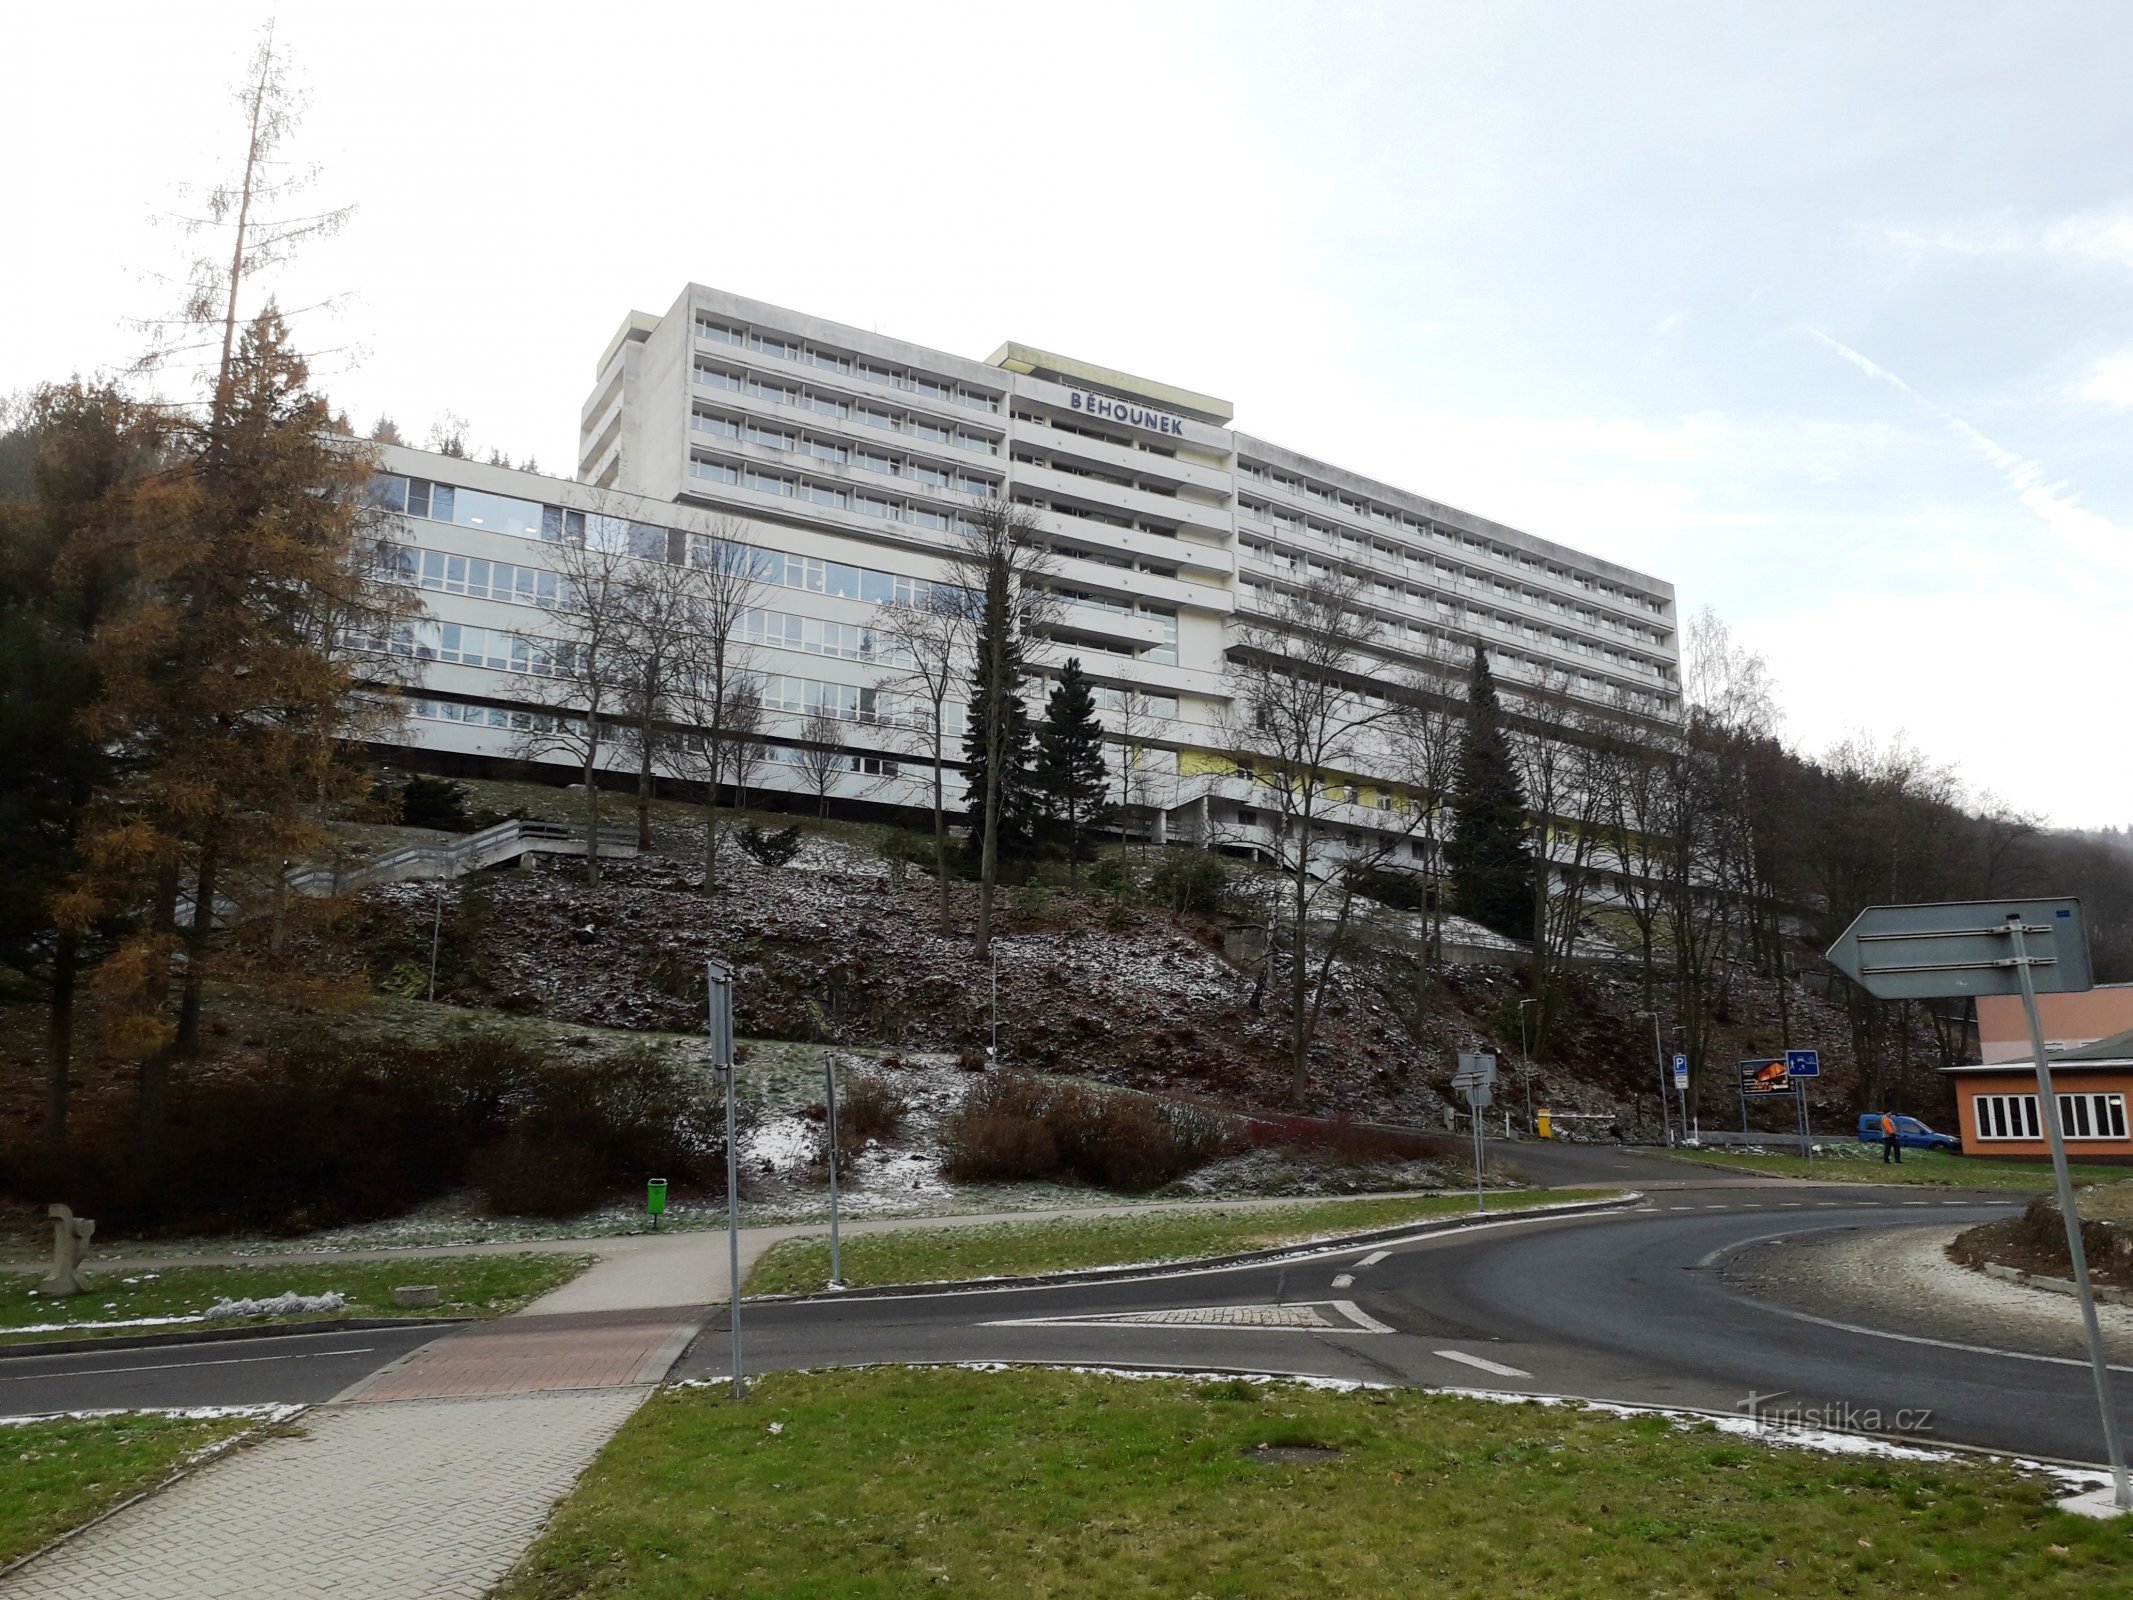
(1625, 1306)
(293, 1369)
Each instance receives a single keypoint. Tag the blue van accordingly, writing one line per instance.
(1910, 1133)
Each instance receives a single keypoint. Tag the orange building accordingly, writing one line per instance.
(2070, 1021)
(1996, 1104)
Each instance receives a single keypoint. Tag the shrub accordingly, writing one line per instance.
(770, 847)
(901, 850)
(1112, 874)
(1016, 1127)
(329, 1131)
(1189, 881)
(435, 803)
(1403, 891)
(871, 1108)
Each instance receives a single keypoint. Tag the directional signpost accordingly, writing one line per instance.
(1476, 1077)
(2023, 947)
(719, 1024)
(1801, 1065)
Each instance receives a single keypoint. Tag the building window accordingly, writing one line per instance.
(2081, 1116)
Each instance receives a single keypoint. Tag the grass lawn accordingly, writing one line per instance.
(473, 1286)
(1012, 1249)
(891, 1482)
(1863, 1164)
(57, 1475)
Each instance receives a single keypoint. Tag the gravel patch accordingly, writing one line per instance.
(1901, 1279)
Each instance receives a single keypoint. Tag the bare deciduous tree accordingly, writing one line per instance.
(1301, 710)
(820, 758)
(659, 644)
(584, 671)
(926, 645)
(719, 695)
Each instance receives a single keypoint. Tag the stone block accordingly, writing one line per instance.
(416, 1296)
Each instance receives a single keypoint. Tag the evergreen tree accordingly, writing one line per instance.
(1070, 767)
(219, 684)
(1490, 867)
(84, 452)
(999, 651)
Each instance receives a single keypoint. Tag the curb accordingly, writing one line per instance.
(2104, 1292)
(1420, 1229)
(270, 1330)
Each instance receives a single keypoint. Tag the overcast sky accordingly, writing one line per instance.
(1824, 312)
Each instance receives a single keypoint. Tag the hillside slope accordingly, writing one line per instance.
(834, 948)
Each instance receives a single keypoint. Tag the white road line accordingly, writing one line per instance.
(175, 1366)
(1362, 1318)
(1373, 1258)
(1942, 1344)
(1344, 1280)
(1918, 1202)
(1496, 1367)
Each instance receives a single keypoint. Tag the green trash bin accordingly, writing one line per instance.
(655, 1196)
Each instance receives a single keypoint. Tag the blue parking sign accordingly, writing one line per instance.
(1803, 1064)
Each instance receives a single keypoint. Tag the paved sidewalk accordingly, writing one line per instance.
(415, 1500)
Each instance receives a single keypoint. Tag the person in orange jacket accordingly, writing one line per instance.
(1891, 1144)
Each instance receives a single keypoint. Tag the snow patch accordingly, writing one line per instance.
(286, 1304)
(265, 1413)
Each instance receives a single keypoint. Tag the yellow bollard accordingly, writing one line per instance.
(1541, 1123)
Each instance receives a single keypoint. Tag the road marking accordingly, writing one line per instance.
(1308, 1316)
(1941, 1344)
(1362, 1318)
(1373, 1258)
(1791, 1205)
(174, 1366)
(1830, 1203)
(1496, 1367)
(1344, 1280)
(1917, 1202)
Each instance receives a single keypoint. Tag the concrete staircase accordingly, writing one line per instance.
(492, 847)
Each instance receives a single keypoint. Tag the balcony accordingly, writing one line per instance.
(1101, 537)
(1124, 458)
(1212, 520)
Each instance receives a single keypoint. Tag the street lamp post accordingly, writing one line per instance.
(1666, 1123)
(1526, 1055)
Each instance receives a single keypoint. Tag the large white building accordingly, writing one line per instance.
(851, 455)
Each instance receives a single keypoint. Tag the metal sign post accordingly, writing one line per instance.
(1997, 947)
(1681, 1092)
(829, 1080)
(2048, 1108)
(1801, 1065)
(720, 987)
(1476, 1077)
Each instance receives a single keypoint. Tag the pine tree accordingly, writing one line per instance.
(999, 650)
(1019, 808)
(61, 579)
(1070, 767)
(1490, 867)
